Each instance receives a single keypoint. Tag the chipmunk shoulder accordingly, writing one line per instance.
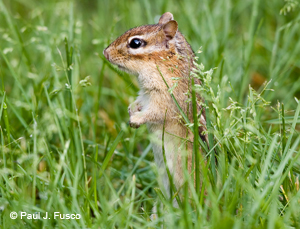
(160, 56)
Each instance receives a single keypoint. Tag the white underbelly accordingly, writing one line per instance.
(173, 149)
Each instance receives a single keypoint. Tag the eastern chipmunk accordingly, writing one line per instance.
(142, 51)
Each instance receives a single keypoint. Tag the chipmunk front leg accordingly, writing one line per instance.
(134, 110)
(137, 119)
(139, 109)
(148, 109)
(134, 107)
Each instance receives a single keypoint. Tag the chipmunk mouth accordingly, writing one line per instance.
(124, 69)
(121, 67)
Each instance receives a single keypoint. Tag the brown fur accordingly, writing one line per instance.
(166, 48)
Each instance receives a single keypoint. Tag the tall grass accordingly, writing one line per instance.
(65, 143)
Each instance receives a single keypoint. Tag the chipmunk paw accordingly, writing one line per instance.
(134, 125)
(134, 107)
(136, 120)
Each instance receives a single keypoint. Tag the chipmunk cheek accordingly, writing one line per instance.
(120, 51)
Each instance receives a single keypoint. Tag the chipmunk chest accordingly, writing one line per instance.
(150, 80)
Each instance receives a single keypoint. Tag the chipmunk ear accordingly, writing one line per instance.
(165, 18)
(170, 29)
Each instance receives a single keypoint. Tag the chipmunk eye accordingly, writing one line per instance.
(135, 43)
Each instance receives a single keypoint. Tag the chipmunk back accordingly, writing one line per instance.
(154, 52)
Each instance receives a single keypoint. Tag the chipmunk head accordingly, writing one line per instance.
(147, 45)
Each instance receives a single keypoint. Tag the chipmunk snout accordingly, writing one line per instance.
(105, 53)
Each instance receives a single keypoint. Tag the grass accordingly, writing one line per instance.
(65, 143)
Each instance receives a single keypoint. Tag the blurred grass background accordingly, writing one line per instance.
(64, 110)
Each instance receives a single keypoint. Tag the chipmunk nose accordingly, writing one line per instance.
(105, 53)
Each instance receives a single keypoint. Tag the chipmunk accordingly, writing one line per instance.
(154, 52)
